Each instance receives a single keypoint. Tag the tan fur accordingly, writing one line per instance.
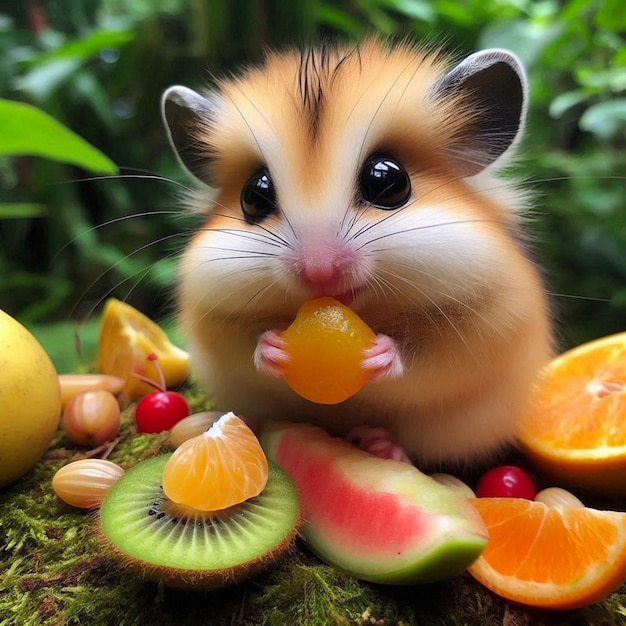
(445, 276)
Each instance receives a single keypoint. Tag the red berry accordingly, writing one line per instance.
(159, 411)
(506, 481)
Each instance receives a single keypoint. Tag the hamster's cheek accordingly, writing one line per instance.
(228, 271)
(202, 276)
(435, 255)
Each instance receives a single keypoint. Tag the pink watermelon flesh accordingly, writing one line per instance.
(377, 520)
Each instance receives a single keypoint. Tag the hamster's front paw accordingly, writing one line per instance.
(382, 359)
(269, 355)
(377, 441)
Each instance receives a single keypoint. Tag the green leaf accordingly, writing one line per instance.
(17, 210)
(43, 80)
(613, 78)
(28, 131)
(565, 101)
(522, 36)
(87, 47)
(340, 20)
(416, 9)
(605, 119)
(611, 15)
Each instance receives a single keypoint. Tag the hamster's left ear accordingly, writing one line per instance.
(185, 114)
(495, 85)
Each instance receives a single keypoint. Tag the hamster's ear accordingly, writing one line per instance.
(186, 113)
(494, 83)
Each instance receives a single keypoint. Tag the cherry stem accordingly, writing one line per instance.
(144, 379)
(106, 448)
(153, 357)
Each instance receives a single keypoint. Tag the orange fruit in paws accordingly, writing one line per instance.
(126, 339)
(560, 557)
(325, 344)
(576, 429)
(219, 468)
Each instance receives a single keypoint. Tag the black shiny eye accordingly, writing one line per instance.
(258, 197)
(384, 183)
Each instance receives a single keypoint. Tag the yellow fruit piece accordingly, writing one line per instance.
(215, 470)
(550, 557)
(127, 337)
(576, 430)
(30, 400)
(75, 384)
(325, 344)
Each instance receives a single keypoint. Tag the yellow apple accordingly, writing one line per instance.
(30, 400)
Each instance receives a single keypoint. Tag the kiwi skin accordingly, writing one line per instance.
(142, 538)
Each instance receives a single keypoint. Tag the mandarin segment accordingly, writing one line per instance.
(576, 431)
(126, 337)
(325, 344)
(219, 468)
(560, 557)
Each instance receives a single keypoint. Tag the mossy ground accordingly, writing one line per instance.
(53, 571)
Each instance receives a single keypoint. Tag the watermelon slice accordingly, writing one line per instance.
(378, 520)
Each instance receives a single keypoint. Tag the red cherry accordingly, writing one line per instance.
(506, 481)
(159, 411)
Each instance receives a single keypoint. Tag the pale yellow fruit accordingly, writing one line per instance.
(85, 483)
(30, 400)
(192, 426)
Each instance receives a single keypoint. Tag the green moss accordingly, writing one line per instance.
(53, 571)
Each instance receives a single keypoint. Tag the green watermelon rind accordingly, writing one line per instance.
(450, 558)
(456, 538)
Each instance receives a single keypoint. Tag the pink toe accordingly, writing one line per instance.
(269, 355)
(377, 441)
(383, 359)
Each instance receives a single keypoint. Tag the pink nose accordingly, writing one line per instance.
(322, 266)
(319, 269)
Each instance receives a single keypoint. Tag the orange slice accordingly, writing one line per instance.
(576, 430)
(550, 557)
(325, 344)
(127, 336)
(219, 468)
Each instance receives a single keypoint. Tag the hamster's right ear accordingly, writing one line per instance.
(185, 114)
(493, 82)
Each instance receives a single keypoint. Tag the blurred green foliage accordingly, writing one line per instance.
(68, 239)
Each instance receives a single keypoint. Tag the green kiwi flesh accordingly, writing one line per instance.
(194, 549)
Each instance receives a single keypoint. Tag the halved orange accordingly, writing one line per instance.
(127, 337)
(550, 557)
(576, 429)
(219, 468)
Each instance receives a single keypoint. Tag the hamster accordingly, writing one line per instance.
(368, 173)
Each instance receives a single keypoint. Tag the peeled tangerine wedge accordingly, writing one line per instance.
(576, 431)
(127, 337)
(375, 519)
(219, 468)
(553, 557)
(325, 344)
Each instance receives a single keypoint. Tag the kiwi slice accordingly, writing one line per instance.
(185, 548)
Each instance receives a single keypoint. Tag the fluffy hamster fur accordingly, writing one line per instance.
(446, 275)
